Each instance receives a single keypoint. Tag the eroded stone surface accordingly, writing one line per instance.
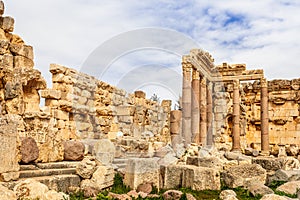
(29, 150)
(244, 175)
(73, 150)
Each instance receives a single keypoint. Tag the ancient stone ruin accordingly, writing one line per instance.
(234, 126)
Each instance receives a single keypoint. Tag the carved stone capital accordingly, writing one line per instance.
(187, 67)
(196, 75)
(236, 84)
(263, 82)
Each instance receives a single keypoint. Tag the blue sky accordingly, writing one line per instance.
(263, 34)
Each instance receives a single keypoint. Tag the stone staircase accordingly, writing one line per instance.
(120, 163)
(58, 176)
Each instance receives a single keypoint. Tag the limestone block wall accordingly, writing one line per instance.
(78, 106)
(86, 108)
(284, 123)
(284, 96)
(19, 92)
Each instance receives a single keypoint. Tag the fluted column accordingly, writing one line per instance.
(195, 106)
(186, 102)
(236, 117)
(209, 114)
(203, 112)
(264, 114)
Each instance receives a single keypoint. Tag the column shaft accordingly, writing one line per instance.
(203, 112)
(186, 103)
(209, 114)
(236, 117)
(264, 114)
(195, 106)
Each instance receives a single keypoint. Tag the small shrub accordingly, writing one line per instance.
(275, 184)
(119, 187)
(77, 196)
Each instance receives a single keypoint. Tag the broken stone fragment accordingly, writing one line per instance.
(86, 167)
(7, 24)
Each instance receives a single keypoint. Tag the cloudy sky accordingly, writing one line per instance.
(138, 44)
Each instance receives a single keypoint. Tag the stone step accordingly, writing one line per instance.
(57, 182)
(133, 155)
(121, 166)
(46, 172)
(28, 167)
(54, 165)
(119, 161)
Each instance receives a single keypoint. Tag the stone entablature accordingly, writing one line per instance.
(243, 113)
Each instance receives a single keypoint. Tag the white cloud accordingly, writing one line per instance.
(262, 34)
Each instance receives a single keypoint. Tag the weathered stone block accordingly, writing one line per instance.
(244, 175)
(124, 110)
(1, 8)
(57, 69)
(29, 150)
(86, 167)
(175, 116)
(21, 50)
(20, 61)
(104, 151)
(5, 193)
(173, 175)
(8, 147)
(270, 164)
(4, 46)
(59, 114)
(201, 178)
(73, 150)
(7, 61)
(211, 162)
(102, 178)
(7, 24)
(141, 170)
(289, 187)
(9, 176)
(140, 94)
(51, 94)
(197, 178)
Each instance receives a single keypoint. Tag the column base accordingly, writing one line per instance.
(264, 153)
(236, 150)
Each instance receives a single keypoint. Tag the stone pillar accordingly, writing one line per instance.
(236, 117)
(209, 114)
(175, 125)
(195, 106)
(264, 115)
(203, 112)
(186, 103)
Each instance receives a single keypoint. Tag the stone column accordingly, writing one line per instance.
(195, 106)
(186, 103)
(203, 112)
(175, 128)
(264, 115)
(236, 117)
(209, 114)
